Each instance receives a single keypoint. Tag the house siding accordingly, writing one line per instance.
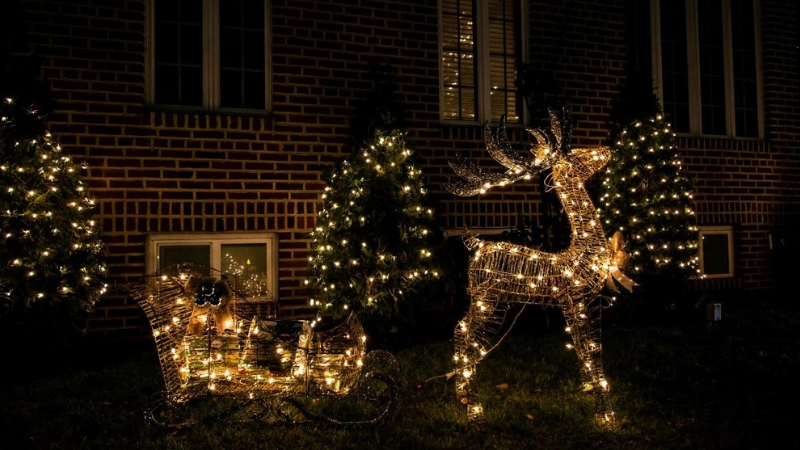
(160, 171)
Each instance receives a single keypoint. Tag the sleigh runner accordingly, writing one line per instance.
(213, 341)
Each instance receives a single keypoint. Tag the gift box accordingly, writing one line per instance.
(210, 359)
(334, 360)
(272, 347)
(326, 370)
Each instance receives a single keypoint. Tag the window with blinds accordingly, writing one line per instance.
(480, 51)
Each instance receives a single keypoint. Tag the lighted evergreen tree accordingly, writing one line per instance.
(375, 239)
(51, 255)
(647, 195)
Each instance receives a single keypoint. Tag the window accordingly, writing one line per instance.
(716, 251)
(253, 257)
(481, 45)
(639, 60)
(203, 56)
(708, 65)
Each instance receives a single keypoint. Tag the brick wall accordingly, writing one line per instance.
(160, 171)
(582, 43)
(753, 185)
(167, 172)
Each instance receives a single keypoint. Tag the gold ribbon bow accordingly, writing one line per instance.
(619, 259)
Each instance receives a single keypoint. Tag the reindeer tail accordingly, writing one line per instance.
(470, 240)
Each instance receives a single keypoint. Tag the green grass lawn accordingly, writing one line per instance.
(728, 386)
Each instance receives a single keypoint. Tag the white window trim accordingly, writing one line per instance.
(214, 241)
(693, 54)
(211, 58)
(716, 229)
(482, 86)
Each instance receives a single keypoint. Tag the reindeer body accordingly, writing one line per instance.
(501, 273)
(550, 278)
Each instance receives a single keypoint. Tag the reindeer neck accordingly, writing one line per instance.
(585, 228)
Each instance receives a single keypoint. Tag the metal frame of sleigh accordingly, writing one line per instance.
(228, 353)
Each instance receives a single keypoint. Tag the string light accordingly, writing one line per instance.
(43, 197)
(660, 220)
(248, 356)
(353, 240)
(501, 273)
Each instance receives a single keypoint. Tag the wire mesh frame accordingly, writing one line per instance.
(328, 363)
(376, 385)
(501, 273)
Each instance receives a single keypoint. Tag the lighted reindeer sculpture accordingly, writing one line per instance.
(502, 273)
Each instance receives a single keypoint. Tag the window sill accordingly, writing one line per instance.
(686, 141)
(200, 111)
(475, 123)
(719, 137)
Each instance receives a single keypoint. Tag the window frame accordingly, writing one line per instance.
(693, 64)
(210, 64)
(154, 241)
(726, 230)
(483, 102)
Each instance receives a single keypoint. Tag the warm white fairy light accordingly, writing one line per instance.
(662, 197)
(501, 273)
(259, 363)
(27, 202)
(344, 275)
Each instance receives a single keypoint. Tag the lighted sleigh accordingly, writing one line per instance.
(223, 348)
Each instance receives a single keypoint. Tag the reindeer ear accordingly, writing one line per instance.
(191, 286)
(224, 290)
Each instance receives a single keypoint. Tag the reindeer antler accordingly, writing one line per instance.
(499, 148)
(478, 181)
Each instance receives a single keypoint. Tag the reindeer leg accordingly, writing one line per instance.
(466, 362)
(583, 323)
(475, 336)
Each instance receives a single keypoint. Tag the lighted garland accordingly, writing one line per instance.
(502, 273)
(647, 195)
(51, 254)
(374, 237)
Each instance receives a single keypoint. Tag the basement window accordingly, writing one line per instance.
(251, 256)
(716, 251)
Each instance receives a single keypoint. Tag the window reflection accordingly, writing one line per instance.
(248, 263)
(169, 256)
